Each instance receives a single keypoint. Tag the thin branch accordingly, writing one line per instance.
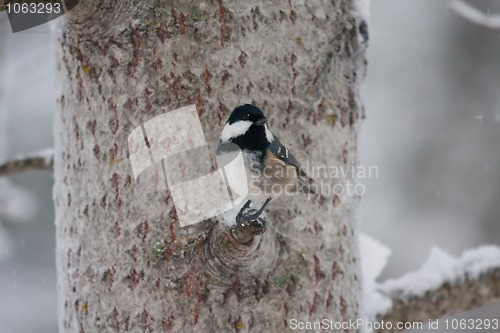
(448, 299)
(470, 283)
(474, 15)
(42, 160)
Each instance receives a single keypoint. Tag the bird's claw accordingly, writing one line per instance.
(251, 218)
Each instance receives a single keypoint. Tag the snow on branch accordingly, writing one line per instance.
(41, 160)
(443, 286)
(474, 15)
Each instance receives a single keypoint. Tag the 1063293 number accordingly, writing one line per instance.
(33, 8)
(472, 324)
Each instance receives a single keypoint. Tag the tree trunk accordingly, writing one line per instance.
(125, 62)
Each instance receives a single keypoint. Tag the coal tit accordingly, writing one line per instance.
(270, 170)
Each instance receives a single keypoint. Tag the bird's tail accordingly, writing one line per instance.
(306, 185)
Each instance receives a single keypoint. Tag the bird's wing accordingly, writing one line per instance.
(285, 155)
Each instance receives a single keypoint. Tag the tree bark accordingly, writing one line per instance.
(124, 263)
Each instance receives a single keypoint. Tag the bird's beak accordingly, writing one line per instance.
(261, 121)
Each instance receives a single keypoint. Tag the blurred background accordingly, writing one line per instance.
(432, 99)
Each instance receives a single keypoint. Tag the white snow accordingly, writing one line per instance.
(363, 7)
(374, 257)
(439, 268)
(431, 275)
(477, 261)
(56, 25)
(47, 154)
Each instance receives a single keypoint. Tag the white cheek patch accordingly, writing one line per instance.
(269, 135)
(235, 129)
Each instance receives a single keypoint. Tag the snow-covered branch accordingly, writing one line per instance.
(443, 286)
(41, 160)
(475, 16)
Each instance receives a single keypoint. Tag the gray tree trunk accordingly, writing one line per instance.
(121, 63)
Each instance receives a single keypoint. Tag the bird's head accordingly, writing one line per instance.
(247, 113)
(245, 120)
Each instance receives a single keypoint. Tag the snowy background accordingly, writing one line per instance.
(432, 129)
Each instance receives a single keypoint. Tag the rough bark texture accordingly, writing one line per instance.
(124, 62)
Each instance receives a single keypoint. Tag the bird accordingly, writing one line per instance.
(270, 169)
